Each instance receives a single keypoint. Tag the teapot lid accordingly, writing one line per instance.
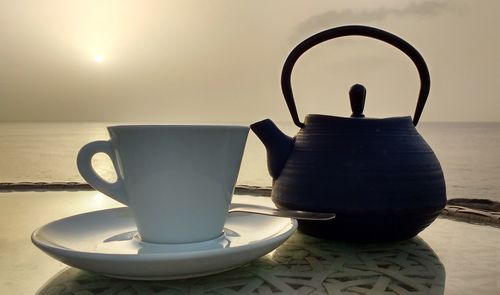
(357, 97)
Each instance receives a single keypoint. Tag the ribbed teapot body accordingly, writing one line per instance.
(379, 175)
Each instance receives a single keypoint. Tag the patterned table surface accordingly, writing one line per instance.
(449, 257)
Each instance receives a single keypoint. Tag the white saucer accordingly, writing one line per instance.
(105, 242)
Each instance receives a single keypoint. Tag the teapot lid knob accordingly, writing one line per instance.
(357, 95)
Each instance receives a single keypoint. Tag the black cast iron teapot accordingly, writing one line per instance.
(378, 175)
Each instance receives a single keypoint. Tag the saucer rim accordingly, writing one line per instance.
(286, 231)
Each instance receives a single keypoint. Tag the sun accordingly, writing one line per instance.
(98, 58)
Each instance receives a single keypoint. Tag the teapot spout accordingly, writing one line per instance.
(279, 146)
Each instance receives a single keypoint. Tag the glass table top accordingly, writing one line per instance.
(449, 257)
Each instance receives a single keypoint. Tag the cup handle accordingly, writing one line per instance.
(84, 162)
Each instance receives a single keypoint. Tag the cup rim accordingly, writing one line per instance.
(177, 126)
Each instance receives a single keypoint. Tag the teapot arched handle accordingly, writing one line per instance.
(356, 30)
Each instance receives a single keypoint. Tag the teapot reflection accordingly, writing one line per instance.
(302, 264)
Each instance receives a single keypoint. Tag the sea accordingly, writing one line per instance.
(469, 154)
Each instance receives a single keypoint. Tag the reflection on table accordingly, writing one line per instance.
(303, 265)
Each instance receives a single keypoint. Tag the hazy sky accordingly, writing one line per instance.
(220, 61)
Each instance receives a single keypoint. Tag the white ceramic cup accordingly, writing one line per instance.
(178, 180)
